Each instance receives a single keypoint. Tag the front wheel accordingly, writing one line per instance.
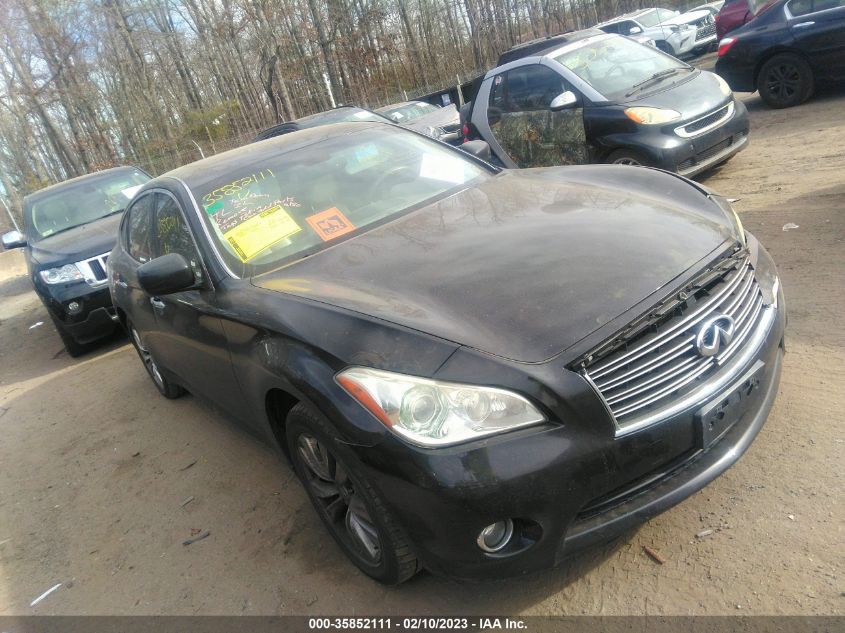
(73, 347)
(784, 81)
(627, 157)
(347, 504)
(164, 386)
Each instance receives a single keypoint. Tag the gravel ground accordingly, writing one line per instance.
(96, 466)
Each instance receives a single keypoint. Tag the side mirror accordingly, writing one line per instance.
(479, 149)
(635, 30)
(562, 101)
(165, 275)
(13, 239)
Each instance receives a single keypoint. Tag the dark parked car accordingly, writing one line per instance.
(786, 51)
(442, 123)
(475, 371)
(69, 229)
(340, 114)
(606, 98)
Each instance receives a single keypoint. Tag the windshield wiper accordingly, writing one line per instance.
(68, 228)
(656, 76)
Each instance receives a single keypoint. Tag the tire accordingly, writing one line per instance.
(784, 81)
(351, 509)
(166, 388)
(627, 157)
(73, 347)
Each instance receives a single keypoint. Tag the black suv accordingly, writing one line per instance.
(69, 230)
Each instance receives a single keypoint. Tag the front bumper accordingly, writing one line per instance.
(95, 320)
(683, 42)
(566, 486)
(691, 156)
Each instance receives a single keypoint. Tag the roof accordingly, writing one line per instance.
(312, 120)
(543, 45)
(400, 104)
(221, 165)
(626, 16)
(92, 176)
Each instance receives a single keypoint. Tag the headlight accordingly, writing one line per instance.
(723, 85)
(433, 413)
(651, 116)
(733, 218)
(434, 132)
(63, 275)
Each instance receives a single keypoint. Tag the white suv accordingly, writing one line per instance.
(675, 39)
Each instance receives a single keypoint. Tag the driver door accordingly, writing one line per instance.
(523, 124)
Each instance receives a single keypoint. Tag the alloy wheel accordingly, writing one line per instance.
(783, 81)
(147, 359)
(337, 498)
(626, 160)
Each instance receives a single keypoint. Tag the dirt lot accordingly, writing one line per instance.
(94, 464)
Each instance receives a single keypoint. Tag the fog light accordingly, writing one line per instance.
(495, 536)
(74, 307)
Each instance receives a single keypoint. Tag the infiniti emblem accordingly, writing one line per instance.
(714, 334)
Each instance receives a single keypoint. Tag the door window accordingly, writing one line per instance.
(800, 7)
(526, 88)
(173, 234)
(626, 26)
(139, 242)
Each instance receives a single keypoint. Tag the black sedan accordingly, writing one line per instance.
(474, 371)
(786, 51)
(69, 229)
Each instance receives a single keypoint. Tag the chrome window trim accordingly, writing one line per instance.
(205, 230)
(169, 194)
(135, 202)
(681, 131)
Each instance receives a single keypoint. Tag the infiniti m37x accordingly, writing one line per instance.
(474, 371)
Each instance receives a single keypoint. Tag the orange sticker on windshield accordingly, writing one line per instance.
(330, 224)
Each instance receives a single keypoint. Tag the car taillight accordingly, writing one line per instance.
(465, 131)
(725, 45)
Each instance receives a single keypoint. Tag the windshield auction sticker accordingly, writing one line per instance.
(260, 230)
(330, 224)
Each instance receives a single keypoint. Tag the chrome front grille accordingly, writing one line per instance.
(705, 31)
(650, 368)
(94, 269)
(707, 122)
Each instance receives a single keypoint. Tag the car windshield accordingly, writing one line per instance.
(275, 209)
(408, 112)
(614, 65)
(75, 204)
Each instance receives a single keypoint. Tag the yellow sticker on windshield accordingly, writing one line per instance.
(261, 231)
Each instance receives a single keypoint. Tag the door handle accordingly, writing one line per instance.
(802, 25)
(157, 303)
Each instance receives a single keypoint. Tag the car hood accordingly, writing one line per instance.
(522, 266)
(689, 17)
(693, 95)
(445, 116)
(76, 244)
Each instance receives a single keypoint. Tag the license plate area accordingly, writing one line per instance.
(716, 418)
